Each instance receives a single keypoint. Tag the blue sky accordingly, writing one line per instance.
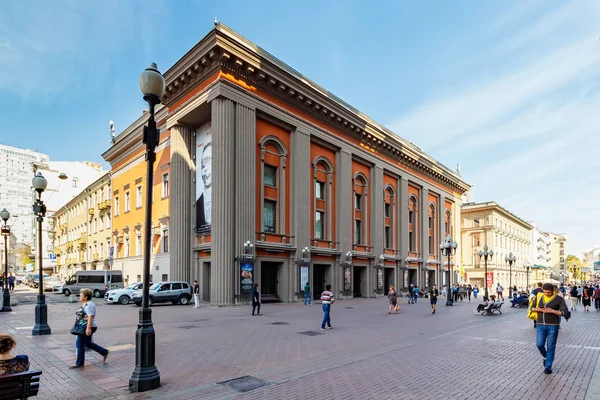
(508, 89)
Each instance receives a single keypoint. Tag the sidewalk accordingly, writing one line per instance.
(369, 354)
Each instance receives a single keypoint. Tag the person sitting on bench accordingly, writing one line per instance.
(486, 304)
(518, 300)
(9, 363)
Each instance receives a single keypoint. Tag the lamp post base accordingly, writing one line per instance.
(449, 302)
(6, 301)
(41, 318)
(145, 376)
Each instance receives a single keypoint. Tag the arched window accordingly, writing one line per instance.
(323, 198)
(447, 224)
(389, 205)
(360, 209)
(413, 230)
(432, 230)
(273, 158)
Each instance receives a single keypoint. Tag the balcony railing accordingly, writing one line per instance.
(82, 239)
(323, 244)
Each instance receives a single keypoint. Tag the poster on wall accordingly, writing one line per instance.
(490, 279)
(597, 266)
(379, 279)
(347, 279)
(203, 179)
(247, 278)
(303, 277)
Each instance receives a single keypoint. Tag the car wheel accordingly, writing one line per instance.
(67, 292)
(124, 299)
(151, 301)
(97, 293)
(184, 301)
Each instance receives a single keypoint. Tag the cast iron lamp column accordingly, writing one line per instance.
(484, 255)
(510, 259)
(41, 310)
(448, 247)
(145, 376)
(528, 267)
(5, 215)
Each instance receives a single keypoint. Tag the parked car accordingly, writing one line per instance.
(35, 280)
(50, 283)
(163, 292)
(58, 288)
(98, 282)
(123, 296)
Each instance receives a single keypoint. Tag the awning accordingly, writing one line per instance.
(534, 266)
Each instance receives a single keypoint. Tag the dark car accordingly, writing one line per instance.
(164, 292)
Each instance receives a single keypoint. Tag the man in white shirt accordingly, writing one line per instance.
(327, 300)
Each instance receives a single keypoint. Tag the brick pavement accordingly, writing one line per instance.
(369, 354)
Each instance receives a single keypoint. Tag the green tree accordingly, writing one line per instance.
(574, 264)
(23, 253)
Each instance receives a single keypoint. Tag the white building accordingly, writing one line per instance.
(15, 188)
(541, 254)
(558, 261)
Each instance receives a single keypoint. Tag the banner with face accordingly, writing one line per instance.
(203, 179)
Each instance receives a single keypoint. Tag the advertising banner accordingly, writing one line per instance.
(247, 280)
(203, 179)
(490, 279)
(597, 266)
(303, 276)
(347, 279)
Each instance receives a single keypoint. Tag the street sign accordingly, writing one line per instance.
(112, 251)
(52, 256)
(597, 266)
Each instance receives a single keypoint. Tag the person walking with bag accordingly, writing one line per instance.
(255, 299)
(85, 326)
(393, 300)
(549, 308)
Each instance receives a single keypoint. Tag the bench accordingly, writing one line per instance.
(492, 308)
(20, 386)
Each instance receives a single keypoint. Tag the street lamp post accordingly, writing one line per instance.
(145, 376)
(485, 254)
(5, 215)
(527, 267)
(39, 209)
(510, 259)
(448, 247)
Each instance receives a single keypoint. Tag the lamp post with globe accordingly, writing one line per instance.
(448, 247)
(485, 254)
(5, 215)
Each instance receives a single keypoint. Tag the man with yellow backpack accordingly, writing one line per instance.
(546, 309)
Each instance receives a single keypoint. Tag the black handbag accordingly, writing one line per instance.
(80, 323)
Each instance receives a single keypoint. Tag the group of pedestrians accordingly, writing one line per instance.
(463, 291)
(584, 295)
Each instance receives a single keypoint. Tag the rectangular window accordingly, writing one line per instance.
(320, 190)
(357, 201)
(126, 251)
(411, 217)
(139, 278)
(430, 222)
(386, 210)
(475, 222)
(101, 223)
(138, 245)
(269, 216)
(319, 222)
(270, 178)
(138, 196)
(431, 245)
(127, 205)
(387, 238)
(164, 277)
(411, 241)
(165, 185)
(357, 231)
(476, 240)
(165, 241)
(116, 206)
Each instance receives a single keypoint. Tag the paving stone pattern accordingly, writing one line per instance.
(369, 354)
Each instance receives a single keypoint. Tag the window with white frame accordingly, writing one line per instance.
(138, 245)
(138, 196)
(116, 210)
(165, 241)
(127, 204)
(165, 184)
(126, 247)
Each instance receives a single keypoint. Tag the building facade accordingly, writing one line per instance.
(558, 261)
(294, 169)
(504, 233)
(541, 254)
(82, 230)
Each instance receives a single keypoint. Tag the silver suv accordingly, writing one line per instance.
(163, 292)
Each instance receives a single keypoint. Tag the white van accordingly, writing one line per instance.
(97, 281)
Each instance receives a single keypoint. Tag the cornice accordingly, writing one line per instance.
(225, 50)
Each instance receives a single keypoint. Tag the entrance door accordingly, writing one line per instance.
(388, 279)
(319, 280)
(357, 281)
(412, 277)
(431, 278)
(206, 281)
(269, 280)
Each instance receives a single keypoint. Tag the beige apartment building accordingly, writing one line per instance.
(82, 230)
(558, 259)
(503, 232)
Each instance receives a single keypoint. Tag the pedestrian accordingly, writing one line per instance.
(415, 294)
(433, 295)
(461, 292)
(326, 301)
(579, 293)
(515, 292)
(255, 299)
(9, 363)
(499, 290)
(574, 298)
(469, 291)
(411, 294)
(87, 316)
(196, 289)
(597, 298)
(393, 300)
(588, 293)
(550, 309)
(11, 282)
(307, 294)
(475, 292)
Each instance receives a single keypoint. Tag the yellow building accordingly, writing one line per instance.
(82, 230)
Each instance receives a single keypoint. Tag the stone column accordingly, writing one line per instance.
(344, 220)
(180, 203)
(403, 224)
(376, 221)
(301, 215)
(424, 229)
(245, 181)
(223, 211)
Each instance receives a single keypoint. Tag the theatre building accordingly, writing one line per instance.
(273, 180)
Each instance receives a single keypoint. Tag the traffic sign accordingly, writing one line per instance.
(112, 251)
(52, 256)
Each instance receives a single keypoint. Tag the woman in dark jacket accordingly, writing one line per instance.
(255, 299)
